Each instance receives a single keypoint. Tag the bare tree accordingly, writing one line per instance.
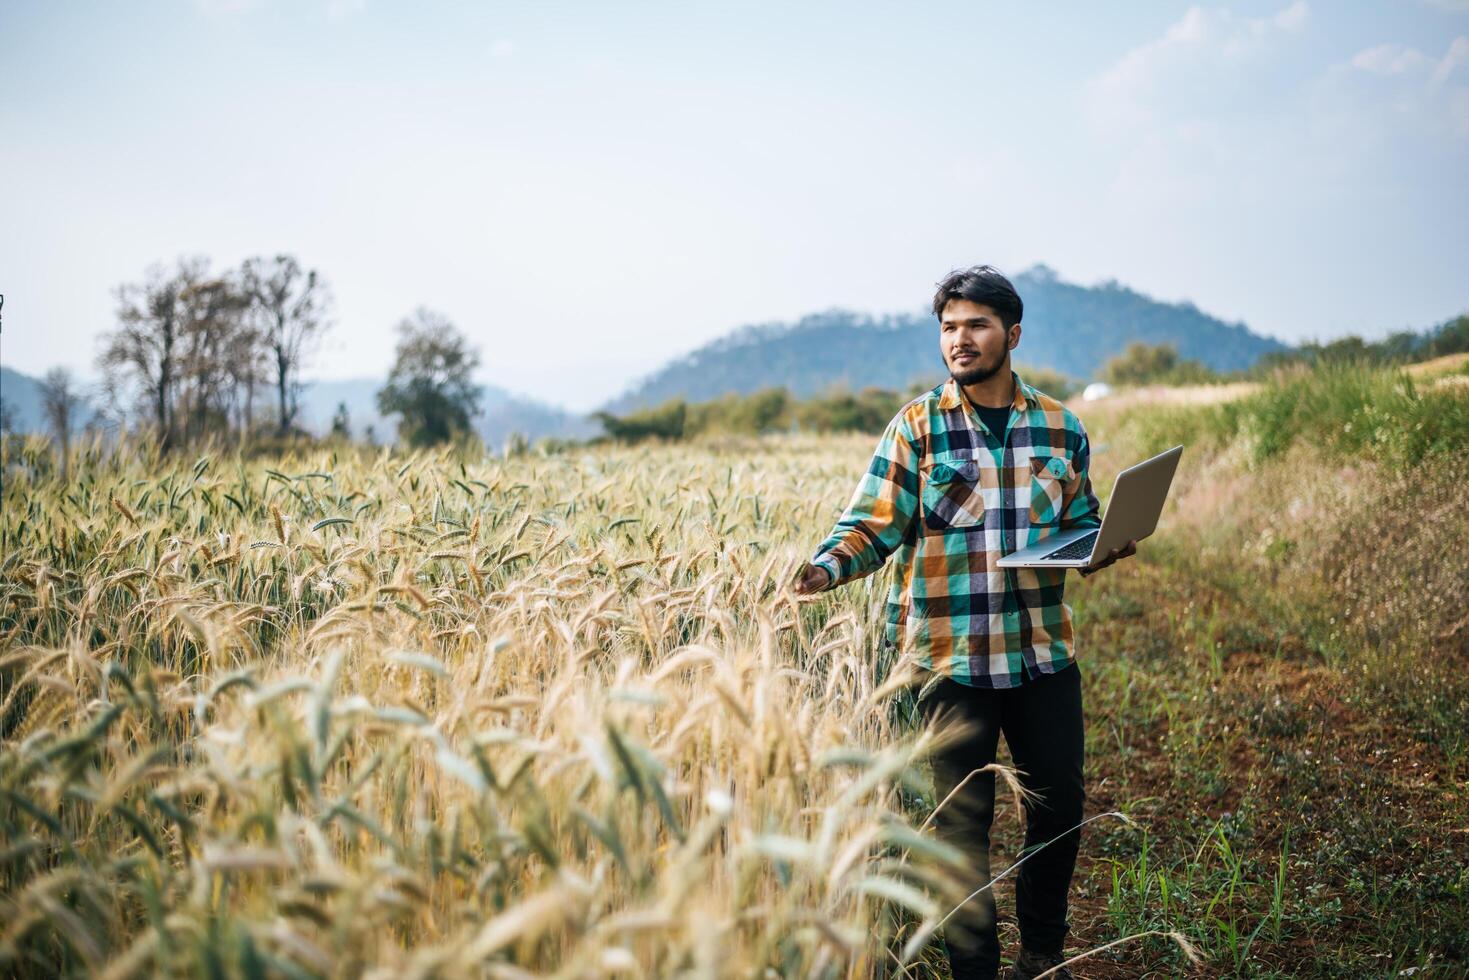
(145, 343)
(177, 346)
(290, 307)
(210, 325)
(246, 367)
(59, 403)
(196, 346)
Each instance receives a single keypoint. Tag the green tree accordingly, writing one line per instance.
(1144, 363)
(753, 414)
(666, 421)
(1450, 338)
(1053, 383)
(762, 411)
(838, 410)
(430, 385)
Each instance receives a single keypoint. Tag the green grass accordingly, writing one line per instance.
(1280, 846)
(1277, 694)
(1340, 410)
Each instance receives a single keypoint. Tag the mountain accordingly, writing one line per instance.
(501, 412)
(21, 394)
(1068, 328)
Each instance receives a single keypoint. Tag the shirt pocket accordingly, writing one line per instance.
(1049, 476)
(952, 496)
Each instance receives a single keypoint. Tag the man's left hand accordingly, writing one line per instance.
(1112, 556)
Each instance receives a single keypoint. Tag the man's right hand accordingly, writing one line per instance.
(813, 578)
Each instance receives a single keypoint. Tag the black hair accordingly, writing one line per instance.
(980, 284)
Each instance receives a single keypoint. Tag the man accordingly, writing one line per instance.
(981, 466)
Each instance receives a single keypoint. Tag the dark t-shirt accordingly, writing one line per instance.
(995, 418)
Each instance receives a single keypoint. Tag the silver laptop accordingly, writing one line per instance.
(1132, 514)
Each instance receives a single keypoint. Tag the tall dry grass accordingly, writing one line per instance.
(375, 715)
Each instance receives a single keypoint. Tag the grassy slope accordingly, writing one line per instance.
(1278, 693)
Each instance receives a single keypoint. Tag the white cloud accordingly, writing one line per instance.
(1457, 55)
(1415, 85)
(1292, 18)
(338, 9)
(1223, 121)
(225, 7)
(1200, 60)
(335, 9)
(1244, 79)
(1400, 59)
(1390, 59)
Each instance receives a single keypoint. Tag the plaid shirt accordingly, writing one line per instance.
(949, 499)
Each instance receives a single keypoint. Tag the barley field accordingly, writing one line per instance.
(352, 713)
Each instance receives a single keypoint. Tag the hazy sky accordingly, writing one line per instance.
(588, 189)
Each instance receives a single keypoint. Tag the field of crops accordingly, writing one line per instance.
(355, 713)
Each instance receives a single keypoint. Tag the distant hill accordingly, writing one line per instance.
(22, 396)
(1068, 328)
(502, 412)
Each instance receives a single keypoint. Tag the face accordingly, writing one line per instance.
(974, 342)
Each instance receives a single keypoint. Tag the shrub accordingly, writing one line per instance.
(1144, 363)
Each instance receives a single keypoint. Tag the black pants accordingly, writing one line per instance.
(1042, 723)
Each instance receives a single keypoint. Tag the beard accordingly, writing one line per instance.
(979, 371)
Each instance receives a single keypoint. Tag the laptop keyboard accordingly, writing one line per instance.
(1079, 548)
